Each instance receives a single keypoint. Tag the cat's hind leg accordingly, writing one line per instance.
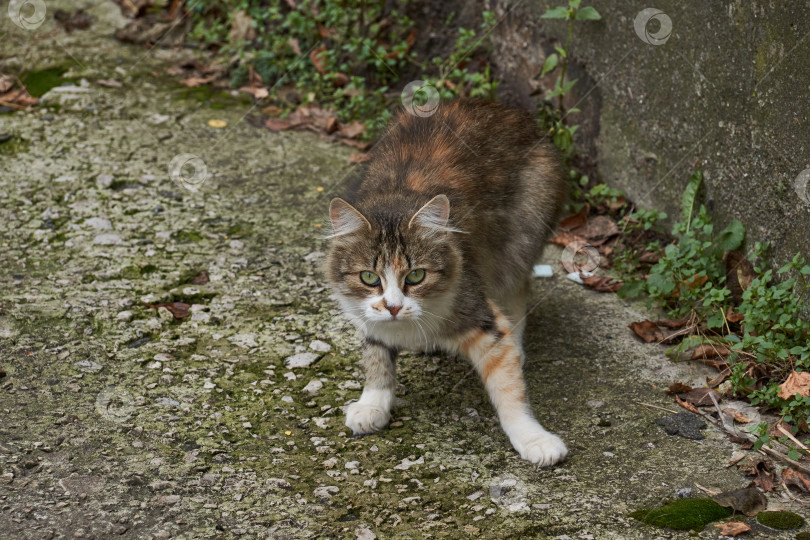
(496, 355)
(373, 410)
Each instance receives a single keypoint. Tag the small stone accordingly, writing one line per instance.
(88, 365)
(313, 387)
(104, 181)
(167, 402)
(170, 499)
(107, 239)
(326, 491)
(236, 244)
(407, 463)
(125, 316)
(98, 223)
(365, 534)
(320, 346)
(352, 464)
(301, 360)
(165, 314)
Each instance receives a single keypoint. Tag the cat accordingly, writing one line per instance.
(433, 246)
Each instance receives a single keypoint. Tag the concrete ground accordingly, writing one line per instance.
(118, 420)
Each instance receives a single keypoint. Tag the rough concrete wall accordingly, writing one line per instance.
(727, 93)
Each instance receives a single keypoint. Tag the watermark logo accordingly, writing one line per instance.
(801, 185)
(27, 14)
(579, 257)
(188, 171)
(420, 98)
(507, 491)
(653, 26)
(115, 404)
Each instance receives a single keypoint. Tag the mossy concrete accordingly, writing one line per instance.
(725, 94)
(117, 419)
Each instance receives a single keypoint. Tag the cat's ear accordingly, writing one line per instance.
(345, 218)
(434, 215)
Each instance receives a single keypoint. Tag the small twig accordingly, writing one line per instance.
(791, 437)
(768, 450)
(791, 495)
(656, 407)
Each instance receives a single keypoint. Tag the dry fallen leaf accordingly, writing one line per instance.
(258, 92)
(647, 330)
(352, 130)
(359, 158)
(602, 283)
(688, 406)
(733, 528)
(192, 82)
(738, 416)
(109, 83)
(700, 397)
(178, 309)
(214, 123)
(18, 99)
(796, 479)
(575, 221)
(565, 238)
(709, 351)
(678, 388)
(798, 382)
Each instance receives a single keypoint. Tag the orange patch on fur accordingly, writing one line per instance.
(492, 364)
(470, 343)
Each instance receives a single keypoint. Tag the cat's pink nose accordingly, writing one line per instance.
(394, 310)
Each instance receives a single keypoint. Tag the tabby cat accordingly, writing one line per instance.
(433, 247)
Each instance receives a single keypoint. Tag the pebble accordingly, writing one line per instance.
(107, 239)
(320, 346)
(88, 365)
(125, 316)
(167, 402)
(313, 386)
(104, 181)
(326, 491)
(301, 360)
(98, 223)
(236, 244)
(365, 534)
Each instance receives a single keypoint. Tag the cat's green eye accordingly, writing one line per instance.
(416, 276)
(370, 278)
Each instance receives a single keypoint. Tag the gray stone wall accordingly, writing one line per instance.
(728, 93)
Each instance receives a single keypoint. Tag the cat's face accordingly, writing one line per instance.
(385, 270)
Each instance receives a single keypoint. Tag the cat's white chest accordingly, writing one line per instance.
(412, 335)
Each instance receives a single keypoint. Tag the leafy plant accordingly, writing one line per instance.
(551, 119)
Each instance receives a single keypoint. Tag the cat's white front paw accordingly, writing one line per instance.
(539, 446)
(365, 418)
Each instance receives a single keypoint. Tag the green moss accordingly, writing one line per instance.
(803, 536)
(782, 521)
(683, 514)
(39, 82)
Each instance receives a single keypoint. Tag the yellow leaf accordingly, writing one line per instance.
(217, 123)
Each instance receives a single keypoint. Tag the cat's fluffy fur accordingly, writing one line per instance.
(469, 195)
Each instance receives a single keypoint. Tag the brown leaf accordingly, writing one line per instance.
(565, 238)
(192, 82)
(749, 501)
(353, 130)
(700, 397)
(575, 221)
(359, 158)
(722, 376)
(599, 227)
(796, 479)
(201, 278)
(602, 283)
(332, 125)
(688, 406)
(178, 309)
(733, 528)
(339, 80)
(258, 92)
(295, 46)
(738, 416)
(360, 145)
(709, 351)
(734, 317)
(739, 273)
(798, 382)
(19, 99)
(678, 388)
(647, 330)
(317, 60)
(673, 323)
(650, 257)
(761, 469)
